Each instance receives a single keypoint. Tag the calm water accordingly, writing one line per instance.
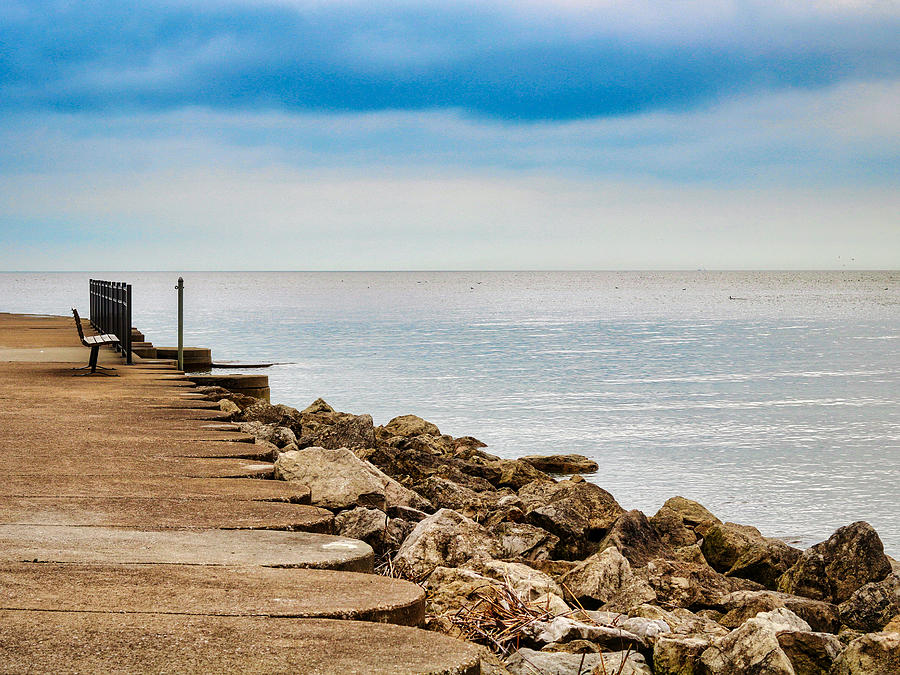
(778, 408)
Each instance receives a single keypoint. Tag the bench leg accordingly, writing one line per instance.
(92, 364)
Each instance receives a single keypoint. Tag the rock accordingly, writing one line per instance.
(279, 415)
(283, 437)
(410, 425)
(445, 494)
(690, 585)
(678, 655)
(445, 539)
(268, 450)
(834, 569)
(551, 605)
(765, 562)
(337, 478)
(682, 621)
(565, 629)
(573, 647)
(337, 430)
(373, 527)
(526, 582)
(515, 473)
(260, 431)
(449, 589)
(754, 647)
(892, 626)
(579, 513)
(603, 577)
(367, 525)
(229, 407)
(871, 606)
(651, 629)
(562, 463)
(528, 662)
(694, 514)
(810, 653)
(870, 654)
(743, 605)
(406, 513)
(317, 406)
(522, 540)
(635, 539)
(724, 543)
(669, 525)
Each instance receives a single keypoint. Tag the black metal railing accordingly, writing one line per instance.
(111, 312)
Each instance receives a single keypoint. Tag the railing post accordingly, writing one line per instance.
(180, 288)
(128, 360)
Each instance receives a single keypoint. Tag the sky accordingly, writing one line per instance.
(488, 134)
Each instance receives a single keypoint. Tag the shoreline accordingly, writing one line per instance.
(470, 527)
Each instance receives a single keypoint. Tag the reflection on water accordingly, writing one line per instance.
(781, 409)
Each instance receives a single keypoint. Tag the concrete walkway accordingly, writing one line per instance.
(136, 535)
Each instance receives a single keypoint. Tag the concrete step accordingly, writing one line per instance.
(198, 589)
(155, 513)
(105, 545)
(36, 642)
(73, 484)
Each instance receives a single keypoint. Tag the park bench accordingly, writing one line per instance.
(94, 342)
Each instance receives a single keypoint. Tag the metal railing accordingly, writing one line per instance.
(111, 312)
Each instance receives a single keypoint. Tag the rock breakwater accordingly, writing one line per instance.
(553, 575)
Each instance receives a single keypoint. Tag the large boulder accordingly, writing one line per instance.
(411, 425)
(445, 539)
(678, 654)
(742, 605)
(754, 647)
(445, 494)
(578, 512)
(528, 662)
(834, 569)
(338, 479)
(337, 430)
(724, 543)
(604, 577)
(562, 463)
(809, 653)
(279, 415)
(869, 654)
(317, 406)
(562, 629)
(871, 606)
(374, 527)
(514, 473)
(689, 584)
(526, 582)
(449, 589)
(765, 562)
(670, 526)
(695, 515)
(521, 540)
(636, 539)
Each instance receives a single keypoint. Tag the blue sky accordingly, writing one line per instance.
(304, 134)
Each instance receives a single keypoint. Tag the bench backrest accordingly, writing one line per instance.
(78, 326)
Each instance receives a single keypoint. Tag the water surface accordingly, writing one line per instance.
(772, 398)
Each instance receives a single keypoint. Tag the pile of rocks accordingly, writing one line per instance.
(604, 589)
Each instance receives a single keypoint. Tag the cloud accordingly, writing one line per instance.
(842, 136)
(789, 180)
(498, 59)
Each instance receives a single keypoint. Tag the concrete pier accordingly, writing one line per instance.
(127, 544)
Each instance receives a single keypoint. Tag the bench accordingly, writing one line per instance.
(94, 342)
